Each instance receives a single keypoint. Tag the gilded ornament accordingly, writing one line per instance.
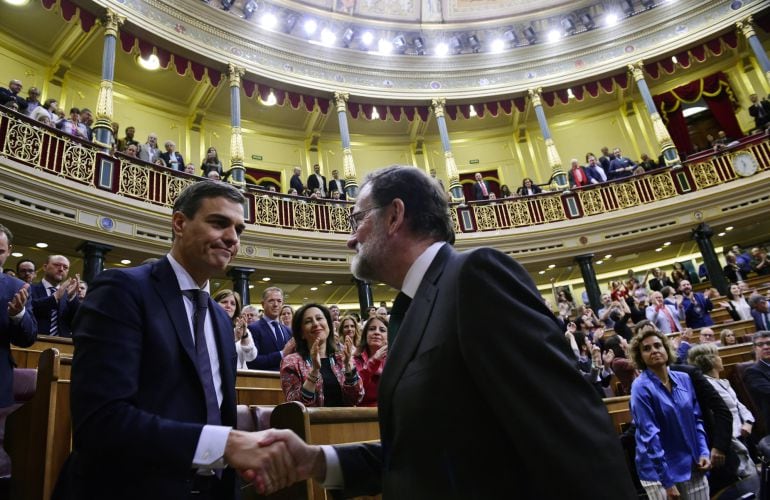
(518, 212)
(266, 210)
(485, 217)
(23, 142)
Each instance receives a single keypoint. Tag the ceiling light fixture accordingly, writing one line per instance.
(310, 27)
(497, 45)
(375, 113)
(328, 282)
(328, 37)
(270, 101)
(313, 288)
(384, 46)
(125, 262)
(266, 278)
(41, 245)
(611, 19)
(17, 254)
(367, 38)
(554, 36)
(152, 63)
(268, 20)
(472, 111)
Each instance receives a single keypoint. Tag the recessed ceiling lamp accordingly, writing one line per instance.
(270, 101)
(313, 288)
(310, 26)
(17, 254)
(608, 256)
(367, 38)
(125, 262)
(442, 49)
(17, 3)
(541, 272)
(328, 37)
(599, 262)
(551, 266)
(266, 278)
(667, 243)
(729, 228)
(721, 234)
(41, 245)
(152, 63)
(251, 286)
(268, 20)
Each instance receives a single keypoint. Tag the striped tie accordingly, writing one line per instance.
(54, 330)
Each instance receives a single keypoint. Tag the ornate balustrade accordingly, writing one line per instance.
(38, 146)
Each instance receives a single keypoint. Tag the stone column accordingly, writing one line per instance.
(670, 154)
(455, 188)
(237, 172)
(558, 176)
(93, 259)
(103, 135)
(240, 277)
(702, 235)
(348, 166)
(365, 299)
(747, 29)
(586, 263)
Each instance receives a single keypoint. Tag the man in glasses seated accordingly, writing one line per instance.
(757, 376)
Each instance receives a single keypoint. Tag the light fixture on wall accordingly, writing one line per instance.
(270, 101)
(151, 63)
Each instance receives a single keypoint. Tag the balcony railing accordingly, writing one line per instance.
(38, 146)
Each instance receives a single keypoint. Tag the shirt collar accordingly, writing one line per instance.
(183, 278)
(418, 269)
(47, 284)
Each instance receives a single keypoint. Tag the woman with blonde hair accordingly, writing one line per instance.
(672, 455)
(727, 337)
(349, 327)
(738, 462)
(230, 301)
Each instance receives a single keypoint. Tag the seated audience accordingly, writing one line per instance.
(212, 162)
(213, 175)
(666, 317)
(286, 316)
(648, 163)
(708, 336)
(230, 301)
(760, 263)
(759, 311)
(370, 356)
(672, 455)
(189, 169)
(727, 337)
(528, 188)
(757, 376)
(736, 305)
(316, 374)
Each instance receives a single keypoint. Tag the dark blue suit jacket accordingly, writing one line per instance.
(437, 370)
(43, 304)
(20, 334)
(759, 320)
(269, 351)
(138, 404)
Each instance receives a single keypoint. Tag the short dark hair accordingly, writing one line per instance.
(189, 200)
(426, 211)
(296, 330)
(667, 291)
(8, 233)
(75, 110)
(754, 299)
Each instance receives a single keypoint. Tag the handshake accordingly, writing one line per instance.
(273, 459)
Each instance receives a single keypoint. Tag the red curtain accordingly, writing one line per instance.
(715, 90)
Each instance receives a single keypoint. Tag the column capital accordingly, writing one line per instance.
(438, 104)
(235, 73)
(341, 99)
(746, 26)
(112, 21)
(636, 70)
(535, 96)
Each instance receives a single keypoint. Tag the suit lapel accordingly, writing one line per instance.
(171, 297)
(411, 332)
(223, 332)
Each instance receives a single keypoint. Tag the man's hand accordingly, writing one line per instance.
(309, 461)
(672, 492)
(270, 467)
(16, 305)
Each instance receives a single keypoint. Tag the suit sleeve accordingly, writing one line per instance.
(362, 469)
(24, 332)
(514, 356)
(107, 370)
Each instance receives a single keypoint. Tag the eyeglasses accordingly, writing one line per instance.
(356, 218)
(765, 343)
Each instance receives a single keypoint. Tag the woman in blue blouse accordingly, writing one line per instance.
(672, 456)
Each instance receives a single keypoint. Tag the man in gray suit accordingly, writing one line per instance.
(481, 396)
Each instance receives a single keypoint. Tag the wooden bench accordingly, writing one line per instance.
(259, 396)
(38, 435)
(258, 378)
(63, 344)
(619, 409)
(323, 426)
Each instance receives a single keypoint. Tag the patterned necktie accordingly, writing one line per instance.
(200, 301)
(400, 305)
(483, 188)
(54, 328)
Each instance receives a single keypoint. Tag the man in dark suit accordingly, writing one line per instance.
(317, 181)
(480, 188)
(596, 174)
(760, 311)
(55, 299)
(172, 159)
(756, 378)
(760, 111)
(659, 280)
(153, 375)
(448, 400)
(17, 323)
(296, 181)
(337, 184)
(272, 339)
(620, 166)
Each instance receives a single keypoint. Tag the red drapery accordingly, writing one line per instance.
(715, 90)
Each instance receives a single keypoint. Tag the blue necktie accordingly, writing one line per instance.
(200, 300)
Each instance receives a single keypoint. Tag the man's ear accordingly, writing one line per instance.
(396, 216)
(178, 221)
